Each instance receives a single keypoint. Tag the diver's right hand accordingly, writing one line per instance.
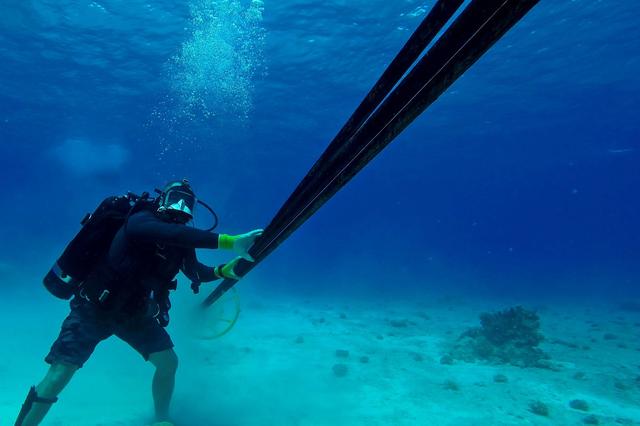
(240, 243)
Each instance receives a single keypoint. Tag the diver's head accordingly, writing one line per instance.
(177, 201)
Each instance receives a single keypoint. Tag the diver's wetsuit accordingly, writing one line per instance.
(144, 258)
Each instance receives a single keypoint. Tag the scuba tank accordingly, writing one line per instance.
(91, 243)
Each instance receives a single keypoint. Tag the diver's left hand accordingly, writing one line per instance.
(228, 269)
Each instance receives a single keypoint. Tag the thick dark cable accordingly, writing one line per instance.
(436, 66)
(435, 20)
(480, 25)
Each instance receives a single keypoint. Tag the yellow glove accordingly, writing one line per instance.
(239, 243)
(227, 270)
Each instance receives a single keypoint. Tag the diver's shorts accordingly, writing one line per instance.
(87, 325)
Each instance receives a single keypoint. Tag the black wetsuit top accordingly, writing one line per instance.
(144, 257)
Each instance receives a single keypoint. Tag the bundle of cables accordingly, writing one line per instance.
(418, 75)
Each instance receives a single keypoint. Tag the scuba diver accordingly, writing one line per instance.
(126, 292)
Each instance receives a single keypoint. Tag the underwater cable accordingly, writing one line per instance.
(477, 28)
(465, 30)
(435, 20)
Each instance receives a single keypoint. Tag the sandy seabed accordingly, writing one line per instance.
(339, 362)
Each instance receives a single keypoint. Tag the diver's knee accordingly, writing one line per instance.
(166, 362)
(172, 363)
(57, 377)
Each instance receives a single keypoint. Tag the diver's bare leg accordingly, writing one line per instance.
(56, 379)
(166, 363)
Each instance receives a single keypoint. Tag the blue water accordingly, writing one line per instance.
(520, 182)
